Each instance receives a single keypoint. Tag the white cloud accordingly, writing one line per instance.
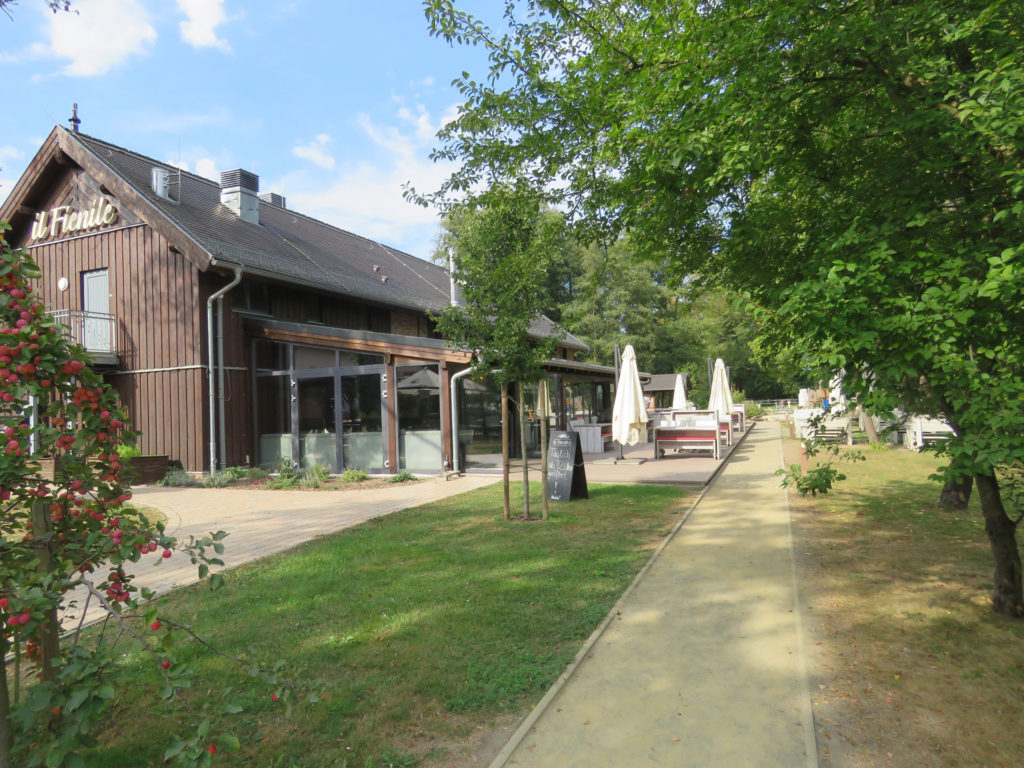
(9, 153)
(204, 166)
(158, 120)
(316, 151)
(101, 35)
(367, 198)
(207, 167)
(426, 127)
(200, 26)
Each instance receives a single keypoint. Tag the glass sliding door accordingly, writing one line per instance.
(362, 422)
(419, 418)
(316, 405)
(317, 428)
(274, 398)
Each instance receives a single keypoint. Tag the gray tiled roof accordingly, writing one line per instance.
(661, 382)
(290, 246)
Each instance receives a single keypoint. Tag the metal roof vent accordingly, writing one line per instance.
(274, 199)
(238, 191)
(162, 183)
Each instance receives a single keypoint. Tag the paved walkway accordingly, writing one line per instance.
(701, 663)
(261, 522)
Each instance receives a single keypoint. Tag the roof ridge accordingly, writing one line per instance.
(197, 177)
(139, 155)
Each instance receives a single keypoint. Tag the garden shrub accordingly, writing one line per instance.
(353, 475)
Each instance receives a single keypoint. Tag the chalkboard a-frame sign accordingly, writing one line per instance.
(566, 478)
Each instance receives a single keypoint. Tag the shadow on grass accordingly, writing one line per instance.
(423, 622)
(900, 594)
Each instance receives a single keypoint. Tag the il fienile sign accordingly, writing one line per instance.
(64, 220)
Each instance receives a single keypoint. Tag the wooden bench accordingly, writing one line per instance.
(688, 430)
(826, 427)
(924, 430)
(739, 417)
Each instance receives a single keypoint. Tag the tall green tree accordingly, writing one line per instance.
(501, 242)
(854, 167)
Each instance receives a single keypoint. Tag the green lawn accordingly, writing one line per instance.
(913, 667)
(419, 626)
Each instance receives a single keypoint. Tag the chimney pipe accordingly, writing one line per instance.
(75, 122)
(238, 191)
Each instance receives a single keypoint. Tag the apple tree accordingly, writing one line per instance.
(70, 543)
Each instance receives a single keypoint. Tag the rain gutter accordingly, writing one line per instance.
(219, 370)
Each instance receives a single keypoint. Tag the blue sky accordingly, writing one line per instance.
(333, 103)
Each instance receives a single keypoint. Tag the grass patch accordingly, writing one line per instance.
(422, 626)
(909, 664)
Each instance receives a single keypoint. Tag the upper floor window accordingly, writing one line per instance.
(251, 296)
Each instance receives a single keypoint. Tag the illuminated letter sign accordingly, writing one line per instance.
(65, 220)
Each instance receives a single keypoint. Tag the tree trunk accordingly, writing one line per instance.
(869, 425)
(49, 640)
(1007, 597)
(544, 463)
(6, 734)
(504, 448)
(522, 448)
(956, 493)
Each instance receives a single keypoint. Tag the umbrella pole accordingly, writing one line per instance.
(618, 358)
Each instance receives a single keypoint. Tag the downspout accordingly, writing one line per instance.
(455, 415)
(455, 419)
(220, 379)
(209, 363)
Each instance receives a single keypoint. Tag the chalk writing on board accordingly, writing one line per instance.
(566, 477)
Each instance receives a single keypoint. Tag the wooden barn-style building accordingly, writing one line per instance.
(239, 332)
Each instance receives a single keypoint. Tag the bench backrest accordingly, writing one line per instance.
(694, 419)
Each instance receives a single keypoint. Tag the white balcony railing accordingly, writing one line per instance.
(96, 331)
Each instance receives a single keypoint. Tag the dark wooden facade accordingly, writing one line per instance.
(159, 280)
(160, 330)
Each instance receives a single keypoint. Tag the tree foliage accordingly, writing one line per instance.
(502, 246)
(71, 542)
(501, 243)
(606, 295)
(855, 169)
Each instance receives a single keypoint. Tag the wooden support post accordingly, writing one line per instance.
(504, 448)
(544, 460)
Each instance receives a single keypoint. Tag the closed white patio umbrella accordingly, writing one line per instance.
(679, 395)
(629, 416)
(721, 399)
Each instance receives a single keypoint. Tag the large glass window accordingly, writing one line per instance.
(314, 357)
(302, 407)
(363, 427)
(348, 358)
(317, 431)
(419, 417)
(270, 356)
(587, 402)
(273, 394)
(479, 437)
